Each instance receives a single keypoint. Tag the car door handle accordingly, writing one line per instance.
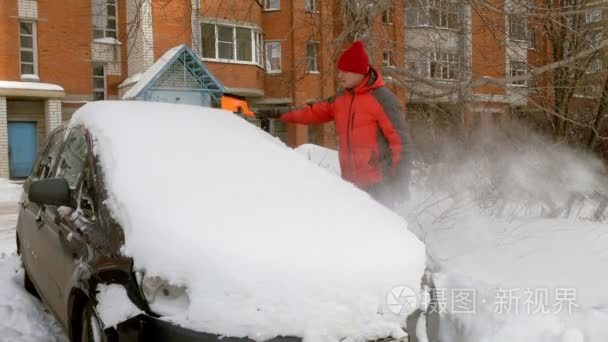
(39, 221)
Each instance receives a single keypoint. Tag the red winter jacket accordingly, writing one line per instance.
(373, 139)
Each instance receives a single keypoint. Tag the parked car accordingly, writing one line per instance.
(71, 242)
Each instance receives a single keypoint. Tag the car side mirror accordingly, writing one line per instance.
(51, 191)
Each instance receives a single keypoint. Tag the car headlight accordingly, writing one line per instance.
(163, 298)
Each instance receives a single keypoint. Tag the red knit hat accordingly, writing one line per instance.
(354, 59)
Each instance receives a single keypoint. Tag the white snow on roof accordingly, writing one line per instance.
(149, 74)
(29, 86)
(266, 242)
(134, 78)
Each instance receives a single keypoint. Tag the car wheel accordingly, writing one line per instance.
(27, 282)
(92, 328)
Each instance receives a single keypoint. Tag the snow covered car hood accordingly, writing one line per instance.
(266, 242)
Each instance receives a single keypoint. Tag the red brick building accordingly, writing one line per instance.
(56, 56)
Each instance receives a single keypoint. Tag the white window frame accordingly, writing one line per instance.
(311, 6)
(595, 38)
(105, 80)
(448, 15)
(595, 65)
(521, 22)
(445, 62)
(316, 57)
(593, 16)
(258, 48)
(33, 49)
(390, 61)
(231, 42)
(268, 56)
(414, 12)
(531, 38)
(387, 17)
(257, 55)
(106, 18)
(514, 72)
(268, 8)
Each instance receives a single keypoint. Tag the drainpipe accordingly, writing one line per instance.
(195, 21)
(293, 71)
(293, 51)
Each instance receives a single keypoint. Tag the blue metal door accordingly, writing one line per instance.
(22, 144)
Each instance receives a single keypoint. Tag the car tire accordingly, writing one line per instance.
(91, 329)
(29, 286)
(27, 282)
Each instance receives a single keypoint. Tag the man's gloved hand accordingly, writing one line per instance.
(272, 113)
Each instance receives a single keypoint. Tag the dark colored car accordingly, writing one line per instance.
(69, 243)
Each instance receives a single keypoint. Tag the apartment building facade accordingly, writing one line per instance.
(57, 56)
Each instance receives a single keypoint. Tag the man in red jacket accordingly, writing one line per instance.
(374, 144)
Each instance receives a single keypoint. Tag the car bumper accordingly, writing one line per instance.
(150, 329)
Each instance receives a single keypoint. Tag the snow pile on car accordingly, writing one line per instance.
(322, 156)
(266, 243)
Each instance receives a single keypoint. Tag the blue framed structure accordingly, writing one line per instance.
(179, 76)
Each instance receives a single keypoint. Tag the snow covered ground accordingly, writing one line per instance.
(23, 318)
(517, 242)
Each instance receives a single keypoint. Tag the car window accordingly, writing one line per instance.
(73, 158)
(86, 196)
(47, 159)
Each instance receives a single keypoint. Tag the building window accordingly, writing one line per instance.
(517, 68)
(244, 41)
(28, 53)
(387, 17)
(270, 5)
(226, 43)
(414, 14)
(208, 40)
(437, 13)
(104, 19)
(595, 39)
(387, 58)
(531, 39)
(273, 57)
(593, 17)
(311, 5)
(99, 81)
(311, 57)
(595, 65)
(518, 28)
(443, 14)
(443, 65)
(259, 43)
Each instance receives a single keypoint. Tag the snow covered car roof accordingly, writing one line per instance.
(266, 242)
